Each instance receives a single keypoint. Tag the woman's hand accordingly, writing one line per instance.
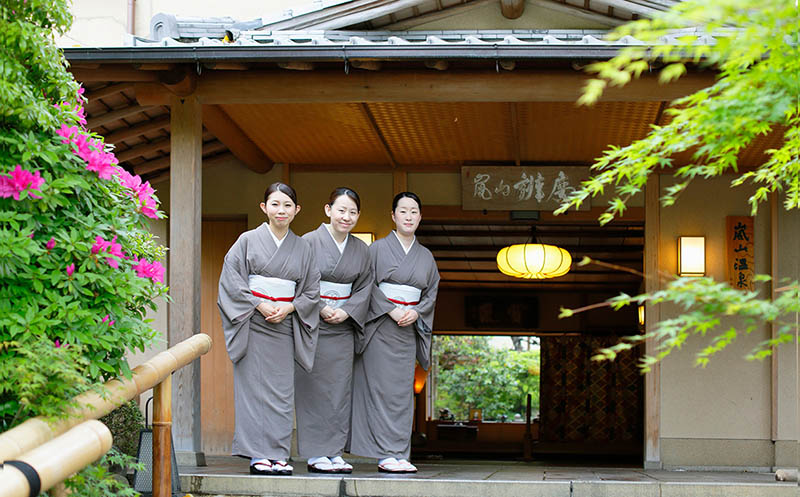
(326, 312)
(337, 317)
(280, 313)
(265, 309)
(409, 317)
(397, 314)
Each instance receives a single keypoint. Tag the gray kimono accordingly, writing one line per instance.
(323, 398)
(263, 353)
(383, 375)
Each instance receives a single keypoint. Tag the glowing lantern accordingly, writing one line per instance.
(420, 375)
(534, 261)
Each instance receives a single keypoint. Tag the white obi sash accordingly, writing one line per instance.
(402, 295)
(334, 293)
(274, 289)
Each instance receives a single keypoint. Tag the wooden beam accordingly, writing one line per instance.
(439, 65)
(123, 134)
(184, 263)
(107, 91)
(399, 182)
(565, 8)
(113, 73)
(162, 144)
(154, 66)
(114, 115)
(210, 162)
(367, 65)
(440, 13)
(652, 380)
(774, 205)
(373, 124)
(296, 65)
(259, 87)
(165, 162)
(516, 150)
(512, 9)
(218, 122)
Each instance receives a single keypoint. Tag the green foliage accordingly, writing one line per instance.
(78, 267)
(472, 374)
(125, 423)
(756, 55)
(97, 480)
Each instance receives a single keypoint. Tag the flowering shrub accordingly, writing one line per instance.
(78, 267)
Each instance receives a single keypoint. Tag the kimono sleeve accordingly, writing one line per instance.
(306, 302)
(235, 301)
(425, 309)
(379, 304)
(357, 305)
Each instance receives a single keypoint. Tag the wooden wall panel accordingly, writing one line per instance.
(216, 368)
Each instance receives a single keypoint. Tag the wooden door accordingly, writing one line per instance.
(217, 413)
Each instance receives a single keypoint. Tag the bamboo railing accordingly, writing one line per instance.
(54, 451)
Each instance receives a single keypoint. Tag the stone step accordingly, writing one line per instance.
(404, 486)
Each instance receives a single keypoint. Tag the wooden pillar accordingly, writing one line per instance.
(162, 441)
(399, 182)
(652, 381)
(186, 126)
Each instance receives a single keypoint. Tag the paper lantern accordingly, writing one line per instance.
(534, 261)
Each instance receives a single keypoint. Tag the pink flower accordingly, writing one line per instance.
(50, 243)
(109, 320)
(142, 191)
(153, 270)
(67, 132)
(113, 249)
(57, 343)
(99, 244)
(70, 269)
(18, 180)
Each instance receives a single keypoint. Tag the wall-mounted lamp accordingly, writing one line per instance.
(691, 256)
(641, 314)
(367, 237)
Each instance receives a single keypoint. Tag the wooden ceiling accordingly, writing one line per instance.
(466, 251)
(418, 136)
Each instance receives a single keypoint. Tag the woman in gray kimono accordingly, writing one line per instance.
(268, 297)
(323, 398)
(398, 330)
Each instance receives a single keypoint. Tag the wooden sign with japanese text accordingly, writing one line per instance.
(516, 188)
(740, 250)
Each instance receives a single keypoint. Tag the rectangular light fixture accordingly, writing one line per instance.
(691, 256)
(641, 314)
(366, 237)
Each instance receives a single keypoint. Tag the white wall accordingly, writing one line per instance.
(730, 399)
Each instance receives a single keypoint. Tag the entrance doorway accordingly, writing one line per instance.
(581, 407)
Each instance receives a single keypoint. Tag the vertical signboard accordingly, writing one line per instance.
(740, 246)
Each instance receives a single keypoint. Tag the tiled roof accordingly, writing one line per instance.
(310, 38)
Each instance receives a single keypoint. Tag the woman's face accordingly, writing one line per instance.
(280, 210)
(343, 213)
(406, 216)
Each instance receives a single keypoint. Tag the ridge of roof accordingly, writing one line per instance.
(400, 38)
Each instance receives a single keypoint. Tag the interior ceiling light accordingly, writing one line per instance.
(534, 261)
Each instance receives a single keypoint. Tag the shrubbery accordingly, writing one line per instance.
(78, 267)
(473, 374)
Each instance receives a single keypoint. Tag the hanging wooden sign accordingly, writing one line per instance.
(500, 188)
(740, 249)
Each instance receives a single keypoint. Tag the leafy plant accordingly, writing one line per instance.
(472, 374)
(125, 422)
(78, 267)
(755, 47)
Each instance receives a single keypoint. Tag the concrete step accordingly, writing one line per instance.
(229, 477)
